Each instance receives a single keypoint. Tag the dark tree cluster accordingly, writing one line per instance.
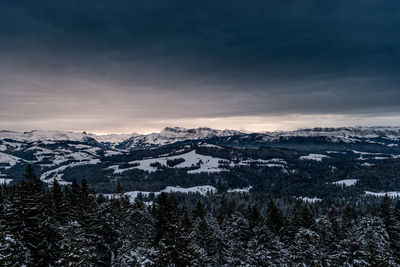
(70, 226)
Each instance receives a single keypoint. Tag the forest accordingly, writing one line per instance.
(74, 226)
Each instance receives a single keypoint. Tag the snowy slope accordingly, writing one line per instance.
(197, 163)
(191, 159)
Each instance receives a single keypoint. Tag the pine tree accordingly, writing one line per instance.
(49, 237)
(173, 242)
(392, 226)
(60, 204)
(28, 211)
(275, 218)
(12, 251)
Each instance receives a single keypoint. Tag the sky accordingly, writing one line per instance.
(137, 66)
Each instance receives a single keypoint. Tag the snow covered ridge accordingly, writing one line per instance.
(172, 135)
(167, 136)
(41, 136)
(360, 131)
(343, 134)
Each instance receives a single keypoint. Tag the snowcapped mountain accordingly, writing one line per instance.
(345, 134)
(169, 135)
(172, 135)
(112, 139)
(44, 136)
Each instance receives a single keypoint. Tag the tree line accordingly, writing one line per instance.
(71, 226)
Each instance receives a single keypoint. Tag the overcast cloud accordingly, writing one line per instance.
(122, 66)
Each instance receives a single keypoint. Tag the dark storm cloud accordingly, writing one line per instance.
(183, 59)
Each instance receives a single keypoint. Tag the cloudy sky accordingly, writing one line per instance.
(138, 66)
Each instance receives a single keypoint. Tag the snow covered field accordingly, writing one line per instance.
(202, 163)
(191, 159)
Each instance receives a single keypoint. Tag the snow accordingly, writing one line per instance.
(310, 200)
(80, 146)
(109, 153)
(316, 157)
(366, 164)
(392, 194)
(202, 190)
(8, 159)
(112, 138)
(5, 181)
(346, 182)
(206, 169)
(191, 159)
(344, 134)
(270, 163)
(336, 152)
(49, 176)
(364, 153)
(240, 190)
(39, 135)
(203, 163)
(209, 145)
(48, 137)
(175, 134)
(196, 189)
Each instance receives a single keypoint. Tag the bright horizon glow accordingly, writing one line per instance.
(240, 123)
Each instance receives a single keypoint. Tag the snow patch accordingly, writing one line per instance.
(346, 182)
(240, 190)
(5, 181)
(316, 157)
(366, 164)
(7, 161)
(49, 176)
(310, 200)
(392, 194)
(209, 145)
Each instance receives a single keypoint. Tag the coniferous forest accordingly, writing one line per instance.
(74, 226)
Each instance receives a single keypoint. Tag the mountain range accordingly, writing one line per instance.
(175, 155)
(171, 135)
